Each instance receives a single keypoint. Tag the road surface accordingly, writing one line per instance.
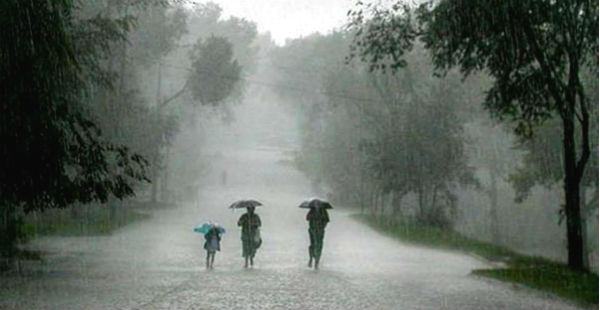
(159, 263)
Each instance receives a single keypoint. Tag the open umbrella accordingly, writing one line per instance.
(242, 204)
(206, 227)
(316, 203)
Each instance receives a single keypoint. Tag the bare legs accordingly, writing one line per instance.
(210, 259)
(249, 259)
(310, 261)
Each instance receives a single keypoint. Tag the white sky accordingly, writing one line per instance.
(286, 19)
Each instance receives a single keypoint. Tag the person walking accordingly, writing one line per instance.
(251, 240)
(212, 245)
(317, 218)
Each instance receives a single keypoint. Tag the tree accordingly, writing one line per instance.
(53, 153)
(542, 165)
(158, 34)
(215, 73)
(535, 51)
(372, 138)
(206, 20)
(418, 144)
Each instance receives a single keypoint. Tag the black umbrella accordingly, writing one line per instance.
(242, 204)
(316, 203)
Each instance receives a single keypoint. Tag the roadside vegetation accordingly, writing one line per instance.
(87, 221)
(535, 272)
(94, 97)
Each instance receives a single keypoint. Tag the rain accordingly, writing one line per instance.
(179, 154)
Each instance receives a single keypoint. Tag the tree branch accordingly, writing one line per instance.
(550, 75)
(174, 96)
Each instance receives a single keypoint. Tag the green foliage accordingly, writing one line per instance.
(206, 20)
(53, 152)
(558, 279)
(215, 73)
(536, 51)
(543, 162)
(437, 237)
(525, 45)
(93, 220)
(157, 33)
(368, 135)
(535, 272)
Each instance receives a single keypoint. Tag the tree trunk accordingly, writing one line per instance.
(572, 194)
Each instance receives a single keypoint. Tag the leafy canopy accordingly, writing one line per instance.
(53, 154)
(528, 46)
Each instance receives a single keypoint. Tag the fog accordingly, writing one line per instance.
(159, 263)
(447, 179)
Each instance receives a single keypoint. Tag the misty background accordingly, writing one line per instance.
(343, 126)
(189, 106)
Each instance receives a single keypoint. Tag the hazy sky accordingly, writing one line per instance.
(290, 18)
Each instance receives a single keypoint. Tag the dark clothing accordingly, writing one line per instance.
(251, 240)
(317, 218)
(249, 222)
(317, 221)
(316, 243)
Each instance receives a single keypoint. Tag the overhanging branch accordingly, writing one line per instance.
(174, 96)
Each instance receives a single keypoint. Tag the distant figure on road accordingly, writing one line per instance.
(212, 245)
(317, 221)
(250, 223)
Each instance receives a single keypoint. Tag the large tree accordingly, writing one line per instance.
(534, 49)
(53, 153)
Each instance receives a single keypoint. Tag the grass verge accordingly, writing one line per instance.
(92, 222)
(535, 272)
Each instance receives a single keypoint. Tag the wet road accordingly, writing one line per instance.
(159, 263)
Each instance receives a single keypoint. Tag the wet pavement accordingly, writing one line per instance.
(159, 263)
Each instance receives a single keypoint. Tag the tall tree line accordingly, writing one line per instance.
(375, 140)
(536, 51)
(397, 133)
(78, 122)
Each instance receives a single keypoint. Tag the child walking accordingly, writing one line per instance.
(212, 245)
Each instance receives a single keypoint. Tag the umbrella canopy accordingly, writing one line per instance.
(206, 227)
(242, 204)
(316, 203)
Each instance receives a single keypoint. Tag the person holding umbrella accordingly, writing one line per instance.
(212, 244)
(250, 223)
(317, 218)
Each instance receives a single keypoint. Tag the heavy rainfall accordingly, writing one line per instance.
(178, 154)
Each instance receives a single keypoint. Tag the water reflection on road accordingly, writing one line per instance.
(159, 263)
